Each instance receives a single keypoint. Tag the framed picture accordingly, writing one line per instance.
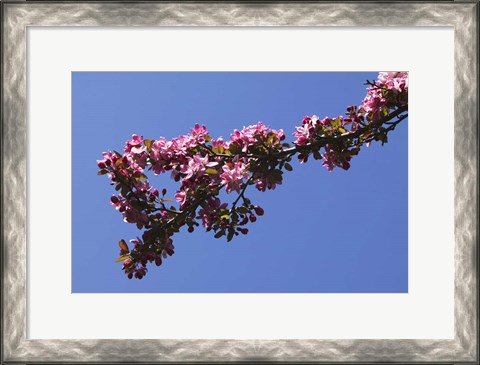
(374, 264)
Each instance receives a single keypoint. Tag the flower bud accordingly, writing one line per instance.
(306, 120)
(259, 210)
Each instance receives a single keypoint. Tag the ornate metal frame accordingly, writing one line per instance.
(18, 15)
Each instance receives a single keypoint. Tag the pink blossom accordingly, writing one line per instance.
(232, 178)
(183, 143)
(334, 158)
(142, 186)
(196, 166)
(325, 121)
(136, 162)
(130, 214)
(302, 134)
(220, 142)
(134, 143)
(199, 133)
(137, 242)
(168, 248)
(209, 211)
(305, 132)
(109, 160)
(253, 134)
(264, 181)
(181, 197)
(397, 81)
(374, 100)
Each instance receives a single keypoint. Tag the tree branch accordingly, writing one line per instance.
(243, 190)
(323, 140)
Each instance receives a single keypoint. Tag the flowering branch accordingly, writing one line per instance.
(256, 155)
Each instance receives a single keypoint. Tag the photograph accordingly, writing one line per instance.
(221, 182)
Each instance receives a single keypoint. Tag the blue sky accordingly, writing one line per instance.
(322, 232)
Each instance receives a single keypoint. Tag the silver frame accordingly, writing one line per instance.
(18, 15)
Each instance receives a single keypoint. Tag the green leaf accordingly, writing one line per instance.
(335, 123)
(225, 216)
(231, 233)
(211, 171)
(219, 234)
(233, 149)
(317, 155)
(272, 139)
(263, 167)
(102, 172)
(242, 209)
(139, 177)
(218, 149)
(288, 167)
(122, 258)
(383, 137)
(277, 174)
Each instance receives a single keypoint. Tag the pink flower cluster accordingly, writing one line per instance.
(137, 264)
(233, 175)
(248, 138)
(205, 167)
(390, 91)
